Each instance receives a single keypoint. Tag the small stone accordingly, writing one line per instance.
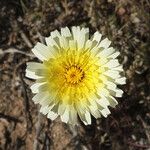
(109, 1)
(134, 18)
(121, 11)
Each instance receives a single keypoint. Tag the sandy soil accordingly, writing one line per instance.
(25, 22)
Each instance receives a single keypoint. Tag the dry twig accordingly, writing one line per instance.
(9, 118)
(138, 145)
(14, 50)
(26, 102)
(26, 40)
(145, 126)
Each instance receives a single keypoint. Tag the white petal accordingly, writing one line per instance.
(41, 80)
(97, 37)
(84, 115)
(34, 65)
(116, 92)
(106, 52)
(65, 116)
(52, 115)
(114, 55)
(105, 112)
(112, 63)
(111, 85)
(119, 93)
(88, 117)
(46, 101)
(42, 51)
(55, 108)
(80, 42)
(38, 69)
(44, 110)
(37, 87)
(38, 97)
(42, 72)
(61, 109)
(103, 78)
(64, 43)
(55, 33)
(83, 118)
(102, 91)
(112, 101)
(31, 75)
(102, 60)
(94, 111)
(88, 44)
(65, 32)
(119, 68)
(51, 42)
(75, 32)
(83, 37)
(103, 102)
(105, 43)
(80, 35)
(112, 73)
(86, 33)
(121, 80)
(73, 45)
(73, 116)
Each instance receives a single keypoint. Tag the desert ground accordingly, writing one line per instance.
(23, 23)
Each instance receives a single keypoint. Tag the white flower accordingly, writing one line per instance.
(78, 75)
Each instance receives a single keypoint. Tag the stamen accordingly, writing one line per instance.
(74, 74)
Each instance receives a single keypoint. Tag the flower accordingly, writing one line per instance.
(78, 75)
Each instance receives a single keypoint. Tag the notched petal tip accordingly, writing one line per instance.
(42, 51)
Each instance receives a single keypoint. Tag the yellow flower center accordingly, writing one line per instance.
(74, 74)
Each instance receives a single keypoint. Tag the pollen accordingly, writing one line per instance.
(74, 75)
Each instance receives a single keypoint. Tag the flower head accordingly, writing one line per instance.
(78, 75)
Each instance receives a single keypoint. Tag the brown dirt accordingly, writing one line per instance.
(23, 23)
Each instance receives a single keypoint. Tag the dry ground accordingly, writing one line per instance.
(23, 23)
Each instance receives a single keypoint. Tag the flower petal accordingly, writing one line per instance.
(31, 75)
(65, 32)
(37, 87)
(42, 52)
(105, 43)
(51, 42)
(44, 110)
(73, 116)
(112, 63)
(114, 55)
(121, 80)
(52, 115)
(105, 112)
(106, 52)
(96, 37)
(65, 115)
(85, 117)
(112, 101)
